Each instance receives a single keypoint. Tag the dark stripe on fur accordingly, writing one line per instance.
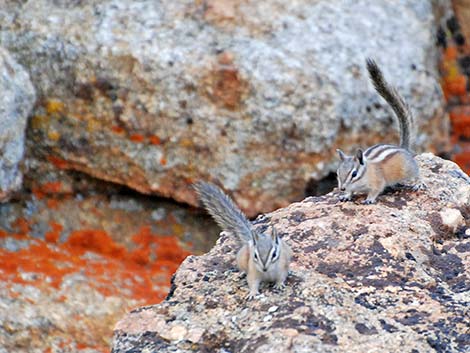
(361, 170)
(378, 152)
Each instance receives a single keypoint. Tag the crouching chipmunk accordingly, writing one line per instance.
(263, 257)
(381, 165)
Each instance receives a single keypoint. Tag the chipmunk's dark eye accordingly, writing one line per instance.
(274, 255)
(256, 257)
(354, 174)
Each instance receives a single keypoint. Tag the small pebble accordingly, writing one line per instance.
(452, 218)
(176, 333)
(273, 309)
(267, 318)
(290, 332)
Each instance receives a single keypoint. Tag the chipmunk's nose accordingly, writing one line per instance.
(265, 269)
(343, 189)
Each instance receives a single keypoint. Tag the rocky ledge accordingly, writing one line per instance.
(389, 277)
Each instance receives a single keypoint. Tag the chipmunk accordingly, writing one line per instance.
(264, 257)
(381, 165)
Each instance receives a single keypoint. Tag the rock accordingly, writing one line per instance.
(176, 333)
(72, 265)
(157, 94)
(365, 278)
(16, 102)
(452, 218)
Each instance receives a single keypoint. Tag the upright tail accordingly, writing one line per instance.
(221, 207)
(398, 104)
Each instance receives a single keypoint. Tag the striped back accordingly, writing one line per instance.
(381, 152)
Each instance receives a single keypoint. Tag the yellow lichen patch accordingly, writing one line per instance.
(53, 135)
(54, 106)
(39, 121)
(452, 70)
(186, 142)
(177, 229)
(93, 125)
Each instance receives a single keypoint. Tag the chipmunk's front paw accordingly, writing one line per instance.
(419, 187)
(251, 295)
(368, 202)
(279, 285)
(345, 197)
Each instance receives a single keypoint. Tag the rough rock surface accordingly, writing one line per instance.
(255, 94)
(388, 277)
(72, 265)
(16, 101)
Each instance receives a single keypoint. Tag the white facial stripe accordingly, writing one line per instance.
(360, 172)
(256, 255)
(338, 177)
(349, 177)
(359, 169)
(273, 250)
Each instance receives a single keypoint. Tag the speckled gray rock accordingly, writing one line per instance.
(16, 101)
(157, 94)
(389, 277)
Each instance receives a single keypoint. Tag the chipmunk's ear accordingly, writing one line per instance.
(360, 156)
(274, 235)
(341, 154)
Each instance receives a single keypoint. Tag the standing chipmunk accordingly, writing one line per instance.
(381, 165)
(263, 257)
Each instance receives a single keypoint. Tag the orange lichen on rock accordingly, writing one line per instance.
(117, 129)
(52, 203)
(54, 234)
(21, 225)
(38, 192)
(455, 86)
(454, 68)
(189, 180)
(450, 53)
(154, 140)
(97, 241)
(460, 118)
(137, 138)
(163, 161)
(39, 258)
(463, 160)
(142, 273)
(58, 162)
(52, 187)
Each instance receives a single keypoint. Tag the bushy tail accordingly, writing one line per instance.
(221, 207)
(398, 104)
